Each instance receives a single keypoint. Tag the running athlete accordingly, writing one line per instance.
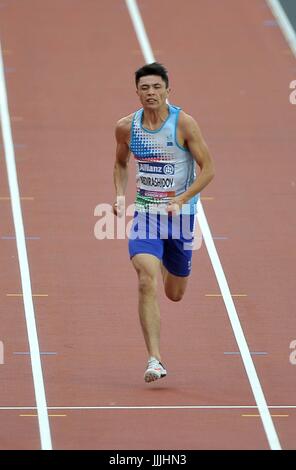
(166, 143)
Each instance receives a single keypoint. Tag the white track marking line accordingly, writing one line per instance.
(268, 425)
(284, 23)
(152, 407)
(140, 31)
(238, 333)
(23, 265)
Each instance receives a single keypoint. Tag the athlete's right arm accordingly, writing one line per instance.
(120, 173)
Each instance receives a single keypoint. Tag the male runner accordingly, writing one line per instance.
(166, 143)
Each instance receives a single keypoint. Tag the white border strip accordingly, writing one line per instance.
(23, 264)
(151, 407)
(268, 425)
(284, 23)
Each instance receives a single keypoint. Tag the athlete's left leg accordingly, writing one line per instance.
(174, 286)
(177, 256)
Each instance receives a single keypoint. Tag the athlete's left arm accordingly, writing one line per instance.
(198, 148)
(194, 141)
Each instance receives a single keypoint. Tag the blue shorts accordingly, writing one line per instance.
(168, 237)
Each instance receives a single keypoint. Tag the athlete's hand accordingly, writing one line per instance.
(175, 205)
(119, 206)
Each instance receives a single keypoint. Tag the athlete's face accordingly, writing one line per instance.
(152, 91)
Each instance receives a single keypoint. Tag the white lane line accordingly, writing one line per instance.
(284, 23)
(23, 265)
(140, 31)
(154, 407)
(268, 425)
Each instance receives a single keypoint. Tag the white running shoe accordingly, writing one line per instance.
(154, 371)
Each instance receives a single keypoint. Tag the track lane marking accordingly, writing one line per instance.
(220, 295)
(22, 295)
(39, 389)
(267, 422)
(22, 198)
(51, 416)
(140, 31)
(151, 407)
(253, 353)
(284, 23)
(27, 353)
(250, 369)
(11, 237)
(258, 416)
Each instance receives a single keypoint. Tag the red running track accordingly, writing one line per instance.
(69, 72)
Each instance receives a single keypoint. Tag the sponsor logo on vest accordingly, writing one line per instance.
(169, 169)
(147, 168)
(160, 168)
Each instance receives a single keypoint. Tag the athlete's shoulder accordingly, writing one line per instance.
(125, 122)
(123, 127)
(187, 124)
(186, 119)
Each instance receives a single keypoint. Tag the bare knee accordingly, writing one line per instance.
(147, 284)
(175, 296)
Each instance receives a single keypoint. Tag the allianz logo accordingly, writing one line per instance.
(166, 169)
(169, 169)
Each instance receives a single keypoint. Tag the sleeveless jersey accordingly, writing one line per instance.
(164, 169)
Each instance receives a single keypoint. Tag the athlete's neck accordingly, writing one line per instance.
(154, 118)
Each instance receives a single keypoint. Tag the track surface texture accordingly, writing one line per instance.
(69, 68)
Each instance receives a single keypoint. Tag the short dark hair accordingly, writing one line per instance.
(152, 69)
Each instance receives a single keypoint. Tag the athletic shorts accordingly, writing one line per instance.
(168, 237)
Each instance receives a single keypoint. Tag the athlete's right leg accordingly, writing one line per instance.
(147, 267)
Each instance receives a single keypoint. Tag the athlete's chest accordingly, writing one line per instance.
(165, 144)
